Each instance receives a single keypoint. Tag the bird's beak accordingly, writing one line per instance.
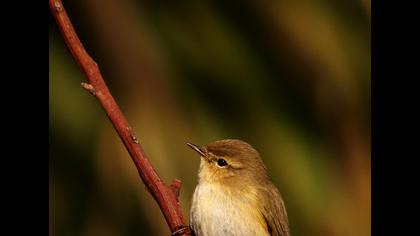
(197, 149)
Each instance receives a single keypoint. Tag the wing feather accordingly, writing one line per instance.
(274, 212)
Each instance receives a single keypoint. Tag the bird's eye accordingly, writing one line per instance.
(221, 162)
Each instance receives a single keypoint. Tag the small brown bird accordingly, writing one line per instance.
(234, 195)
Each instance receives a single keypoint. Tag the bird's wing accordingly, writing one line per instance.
(274, 213)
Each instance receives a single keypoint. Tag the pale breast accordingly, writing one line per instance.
(216, 212)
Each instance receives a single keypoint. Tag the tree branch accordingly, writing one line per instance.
(165, 196)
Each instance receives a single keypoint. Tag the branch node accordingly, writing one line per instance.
(134, 139)
(89, 88)
(176, 186)
(58, 7)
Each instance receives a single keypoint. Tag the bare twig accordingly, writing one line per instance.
(166, 196)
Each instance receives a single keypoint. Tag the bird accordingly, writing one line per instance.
(234, 195)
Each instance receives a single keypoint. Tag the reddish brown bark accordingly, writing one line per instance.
(166, 196)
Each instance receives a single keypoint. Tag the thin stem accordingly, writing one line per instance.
(166, 196)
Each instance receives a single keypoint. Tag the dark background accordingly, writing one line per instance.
(290, 77)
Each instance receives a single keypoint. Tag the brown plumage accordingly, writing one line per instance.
(234, 195)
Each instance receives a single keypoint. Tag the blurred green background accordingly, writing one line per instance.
(290, 77)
